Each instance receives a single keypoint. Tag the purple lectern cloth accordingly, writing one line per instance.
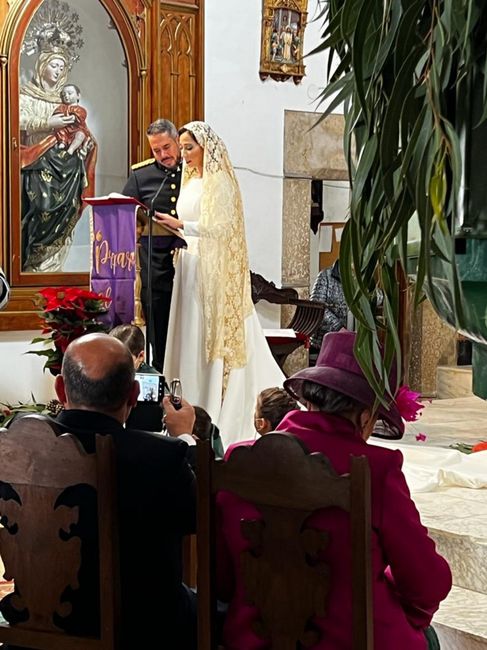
(113, 259)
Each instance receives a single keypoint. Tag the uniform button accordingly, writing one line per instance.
(173, 211)
(173, 175)
(173, 199)
(173, 187)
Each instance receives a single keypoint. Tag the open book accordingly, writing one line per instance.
(112, 199)
(158, 229)
(280, 333)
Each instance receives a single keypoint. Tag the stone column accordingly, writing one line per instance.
(433, 344)
(310, 152)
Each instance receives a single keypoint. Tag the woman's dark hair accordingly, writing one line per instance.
(132, 336)
(183, 129)
(329, 400)
(203, 425)
(274, 403)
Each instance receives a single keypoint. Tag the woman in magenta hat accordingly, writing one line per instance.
(410, 578)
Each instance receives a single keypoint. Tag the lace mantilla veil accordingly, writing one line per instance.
(224, 278)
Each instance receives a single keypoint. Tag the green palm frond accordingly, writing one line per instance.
(404, 69)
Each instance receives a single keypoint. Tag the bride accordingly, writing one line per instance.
(216, 345)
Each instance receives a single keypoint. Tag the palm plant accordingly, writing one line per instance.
(413, 77)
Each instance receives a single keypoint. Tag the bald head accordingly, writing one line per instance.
(97, 374)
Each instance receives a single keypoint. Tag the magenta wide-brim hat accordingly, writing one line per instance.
(338, 369)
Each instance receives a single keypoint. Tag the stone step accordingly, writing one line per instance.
(453, 381)
(456, 519)
(461, 623)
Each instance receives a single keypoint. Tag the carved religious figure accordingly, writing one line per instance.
(283, 26)
(57, 169)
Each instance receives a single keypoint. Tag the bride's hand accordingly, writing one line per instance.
(167, 220)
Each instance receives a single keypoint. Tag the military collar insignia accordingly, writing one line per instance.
(144, 163)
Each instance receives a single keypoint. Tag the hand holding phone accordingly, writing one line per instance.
(178, 421)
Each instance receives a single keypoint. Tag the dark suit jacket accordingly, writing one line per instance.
(157, 506)
(143, 184)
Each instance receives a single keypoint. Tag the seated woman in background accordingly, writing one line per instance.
(410, 578)
(272, 405)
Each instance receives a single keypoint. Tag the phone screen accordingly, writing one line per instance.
(151, 387)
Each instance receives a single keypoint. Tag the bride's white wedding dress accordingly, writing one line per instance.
(202, 382)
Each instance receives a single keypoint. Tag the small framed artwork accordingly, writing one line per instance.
(281, 53)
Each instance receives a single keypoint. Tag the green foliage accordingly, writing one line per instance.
(8, 411)
(67, 313)
(404, 69)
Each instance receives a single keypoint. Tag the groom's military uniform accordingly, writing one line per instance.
(143, 184)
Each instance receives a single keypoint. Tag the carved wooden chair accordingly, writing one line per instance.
(306, 319)
(286, 484)
(37, 544)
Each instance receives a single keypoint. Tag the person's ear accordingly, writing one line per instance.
(60, 389)
(367, 422)
(139, 359)
(308, 405)
(264, 426)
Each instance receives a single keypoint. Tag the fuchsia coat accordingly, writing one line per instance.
(410, 579)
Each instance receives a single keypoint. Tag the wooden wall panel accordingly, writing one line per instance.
(178, 84)
(166, 42)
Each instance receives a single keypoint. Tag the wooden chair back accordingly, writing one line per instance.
(37, 465)
(305, 321)
(286, 484)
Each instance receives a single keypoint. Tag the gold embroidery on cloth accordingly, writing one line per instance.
(224, 279)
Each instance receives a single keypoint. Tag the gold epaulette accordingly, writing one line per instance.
(144, 163)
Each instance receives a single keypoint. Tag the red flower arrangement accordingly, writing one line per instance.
(67, 313)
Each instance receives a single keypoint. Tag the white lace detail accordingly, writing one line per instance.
(224, 279)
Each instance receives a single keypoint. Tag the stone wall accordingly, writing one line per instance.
(310, 152)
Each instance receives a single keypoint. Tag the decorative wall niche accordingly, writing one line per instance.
(281, 50)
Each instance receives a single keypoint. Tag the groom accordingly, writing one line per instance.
(143, 184)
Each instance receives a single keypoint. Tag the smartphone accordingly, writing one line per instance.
(151, 387)
(176, 394)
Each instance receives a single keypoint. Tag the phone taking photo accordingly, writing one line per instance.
(151, 387)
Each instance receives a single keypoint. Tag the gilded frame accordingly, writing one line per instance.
(281, 50)
(20, 313)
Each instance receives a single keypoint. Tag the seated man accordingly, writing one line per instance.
(156, 496)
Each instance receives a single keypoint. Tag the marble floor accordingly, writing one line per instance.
(448, 421)
(456, 518)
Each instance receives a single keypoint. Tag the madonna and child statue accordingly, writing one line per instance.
(58, 151)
